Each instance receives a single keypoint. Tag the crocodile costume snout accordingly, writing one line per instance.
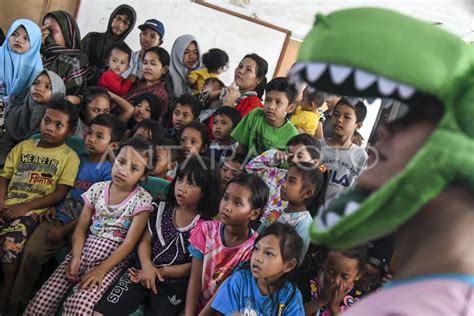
(380, 53)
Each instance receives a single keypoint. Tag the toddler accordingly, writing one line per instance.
(117, 63)
(307, 115)
(215, 62)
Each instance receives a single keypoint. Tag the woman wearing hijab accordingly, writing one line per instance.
(62, 51)
(20, 61)
(96, 45)
(184, 58)
(24, 120)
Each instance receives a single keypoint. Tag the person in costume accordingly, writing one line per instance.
(61, 51)
(421, 182)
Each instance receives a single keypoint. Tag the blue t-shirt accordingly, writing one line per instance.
(88, 174)
(240, 293)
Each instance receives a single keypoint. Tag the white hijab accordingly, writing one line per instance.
(178, 71)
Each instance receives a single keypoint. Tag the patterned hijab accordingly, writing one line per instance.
(18, 71)
(72, 38)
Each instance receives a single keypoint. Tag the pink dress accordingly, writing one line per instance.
(219, 261)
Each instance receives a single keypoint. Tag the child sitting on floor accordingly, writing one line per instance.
(37, 174)
(226, 118)
(330, 288)
(53, 233)
(165, 263)
(218, 247)
(24, 120)
(265, 288)
(112, 221)
(271, 166)
(267, 128)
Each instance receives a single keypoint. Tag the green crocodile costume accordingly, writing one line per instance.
(381, 53)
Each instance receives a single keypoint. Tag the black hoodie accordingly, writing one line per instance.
(2, 37)
(96, 45)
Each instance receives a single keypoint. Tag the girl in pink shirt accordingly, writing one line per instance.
(220, 246)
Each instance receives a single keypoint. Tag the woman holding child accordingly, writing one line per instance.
(249, 84)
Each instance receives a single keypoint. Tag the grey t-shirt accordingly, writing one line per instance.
(344, 165)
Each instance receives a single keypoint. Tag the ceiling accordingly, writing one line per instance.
(456, 16)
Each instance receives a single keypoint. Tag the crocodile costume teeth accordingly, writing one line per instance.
(371, 52)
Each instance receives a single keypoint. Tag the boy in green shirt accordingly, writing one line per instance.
(268, 128)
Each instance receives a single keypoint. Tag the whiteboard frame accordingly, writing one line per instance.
(256, 21)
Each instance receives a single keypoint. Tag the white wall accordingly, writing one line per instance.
(456, 16)
(212, 28)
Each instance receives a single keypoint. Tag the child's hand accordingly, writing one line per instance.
(148, 277)
(72, 270)
(337, 297)
(132, 77)
(387, 278)
(92, 278)
(49, 215)
(280, 157)
(14, 211)
(134, 274)
(326, 295)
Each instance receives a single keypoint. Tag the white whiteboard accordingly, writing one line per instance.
(212, 28)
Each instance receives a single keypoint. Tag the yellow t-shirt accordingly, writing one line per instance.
(35, 172)
(200, 76)
(306, 120)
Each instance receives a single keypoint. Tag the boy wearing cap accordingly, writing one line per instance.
(151, 35)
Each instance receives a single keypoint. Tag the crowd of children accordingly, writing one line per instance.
(170, 192)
